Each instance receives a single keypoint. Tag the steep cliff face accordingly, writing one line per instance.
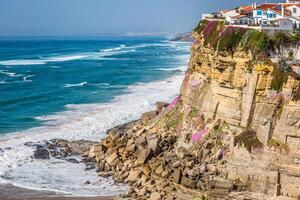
(234, 127)
(254, 97)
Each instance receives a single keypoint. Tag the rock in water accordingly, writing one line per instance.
(41, 153)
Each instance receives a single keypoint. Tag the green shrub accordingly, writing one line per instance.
(199, 28)
(248, 139)
(276, 144)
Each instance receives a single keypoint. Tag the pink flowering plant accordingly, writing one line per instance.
(173, 103)
(199, 135)
(194, 83)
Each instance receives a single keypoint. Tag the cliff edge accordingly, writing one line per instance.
(232, 133)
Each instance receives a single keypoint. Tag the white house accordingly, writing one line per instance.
(242, 20)
(294, 9)
(228, 14)
(293, 1)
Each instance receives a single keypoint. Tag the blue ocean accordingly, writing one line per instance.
(77, 88)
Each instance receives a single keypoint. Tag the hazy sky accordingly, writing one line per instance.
(80, 17)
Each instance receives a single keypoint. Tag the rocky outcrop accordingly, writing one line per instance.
(233, 132)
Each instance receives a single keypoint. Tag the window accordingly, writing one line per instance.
(259, 12)
(264, 13)
(294, 10)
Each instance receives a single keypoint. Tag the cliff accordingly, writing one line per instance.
(232, 132)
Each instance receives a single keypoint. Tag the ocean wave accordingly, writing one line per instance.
(23, 62)
(26, 78)
(10, 74)
(76, 85)
(122, 49)
(180, 69)
(65, 58)
(83, 121)
(114, 49)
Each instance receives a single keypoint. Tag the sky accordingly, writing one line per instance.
(89, 17)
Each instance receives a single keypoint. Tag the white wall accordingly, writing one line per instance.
(297, 14)
(230, 14)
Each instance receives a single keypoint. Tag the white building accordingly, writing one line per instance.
(228, 14)
(293, 1)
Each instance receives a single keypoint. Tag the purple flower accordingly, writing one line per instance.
(199, 135)
(208, 29)
(174, 102)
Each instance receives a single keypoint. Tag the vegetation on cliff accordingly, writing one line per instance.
(227, 38)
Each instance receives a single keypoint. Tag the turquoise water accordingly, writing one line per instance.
(40, 76)
(77, 89)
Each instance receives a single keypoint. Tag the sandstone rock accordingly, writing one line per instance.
(155, 196)
(143, 156)
(134, 176)
(146, 117)
(140, 141)
(159, 170)
(177, 176)
(176, 164)
(160, 106)
(154, 145)
(187, 182)
(113, 159)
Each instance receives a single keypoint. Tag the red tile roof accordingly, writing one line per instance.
(266, 6)
(247, 8)
(279, 12)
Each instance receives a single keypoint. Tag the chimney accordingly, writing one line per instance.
(282, 11)
(255, 5)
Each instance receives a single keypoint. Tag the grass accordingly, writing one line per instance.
(174, 118)
(274, 143)
(194, 112)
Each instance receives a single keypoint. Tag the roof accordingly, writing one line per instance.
(225, 11)
(290, 5)
(247, 8)
(279, 12)
(266, 6)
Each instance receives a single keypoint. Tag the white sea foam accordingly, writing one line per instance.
(26, 78)
(10, 74)
(181, 69)
(23, 62)
(65, 58)
(75, 85)
(114, 49)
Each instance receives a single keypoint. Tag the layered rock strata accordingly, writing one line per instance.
(234, 130)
